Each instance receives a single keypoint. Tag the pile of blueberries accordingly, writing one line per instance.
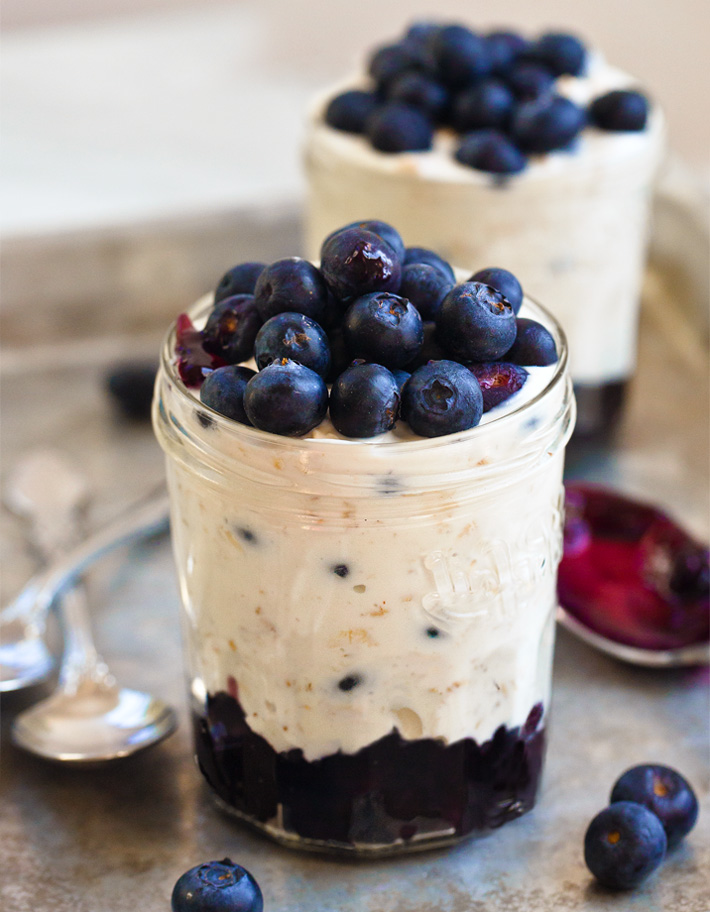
(652, 809)
(498, 91)
(385, 327)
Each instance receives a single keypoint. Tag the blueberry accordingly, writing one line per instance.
(384, 328)
(431, 349)
(503, 49)
(441, 397)
(356, 262)
(498, 380)
(624, 844)
(487, 104)
(340, 357)
(286, 398)
(534, 345)
(664, 792)
(504, 282)
(349, 682)
(548, 123)
(419, 91)
(292, 285)
(223, 391)
(246, 534)
(462, 57)
(382, 229)
(294, 336)
(489, 150)
(131, 387)
(364, 401)
(341, 570)
(231, 328)
(218, 886)
(349, 110)
(397, 127)
(621, 110)
(391, 60)
(401, 377)
(433, 632)
(530, 80)
(425, 287)
(428, 257)
(240, 279)
(562, 54)
(193, 360)
(476, 323)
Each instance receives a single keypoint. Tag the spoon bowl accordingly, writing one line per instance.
(95, 724)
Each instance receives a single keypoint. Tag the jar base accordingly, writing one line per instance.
(392, 796)
(599, 410)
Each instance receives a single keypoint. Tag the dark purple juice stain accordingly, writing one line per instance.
(192, 359)
(391, 790)
(630, 573)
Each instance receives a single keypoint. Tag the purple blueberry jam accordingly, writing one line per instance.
(630, 573)
(392, 791)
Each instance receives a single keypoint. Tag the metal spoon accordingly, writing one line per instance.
(88, 719)
(678, 657)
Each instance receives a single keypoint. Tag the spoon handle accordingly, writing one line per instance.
(81, 661)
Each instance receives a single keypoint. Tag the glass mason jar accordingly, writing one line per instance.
(573, 227)
(368, 625)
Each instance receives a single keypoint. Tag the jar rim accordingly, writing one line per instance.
(331, 444)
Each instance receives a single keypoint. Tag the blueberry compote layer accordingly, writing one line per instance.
(391, 793)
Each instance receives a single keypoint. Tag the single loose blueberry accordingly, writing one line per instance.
(491, 151)
(462, 57)
(286, 398)
(292, 285)
(364, 401)
(384, 328)
(223, 391)
(294, 336)
(664, 792)
(624, 844)
(231, 328)
(356, 262)
(425, 287)
(428, 257)
(420, 91)
(487, 104)
(397, 127)
(621, 110)
(476, 323)
(498, 381)
(240, 279)
(382, 229)
(349, 682)
(504, 282)
(548, 123)
(349, 110)
(534, 345)
(503, 49)
(441, 397)
(218, 886)
(563, 54)
(529, 80)
(131, 385)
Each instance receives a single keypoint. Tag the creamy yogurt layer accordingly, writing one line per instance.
(343, 589)
(572, 226)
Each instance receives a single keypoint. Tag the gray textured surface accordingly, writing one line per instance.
(116, 839)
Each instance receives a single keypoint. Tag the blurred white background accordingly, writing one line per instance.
(136, 133)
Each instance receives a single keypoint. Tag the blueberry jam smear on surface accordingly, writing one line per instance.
(389, 791)
(502, 94)
(378, 334)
